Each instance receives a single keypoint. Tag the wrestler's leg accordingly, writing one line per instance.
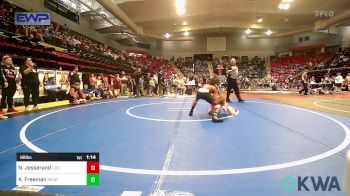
(193, 106)
(231, 110)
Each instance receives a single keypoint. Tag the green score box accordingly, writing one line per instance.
(93, 179)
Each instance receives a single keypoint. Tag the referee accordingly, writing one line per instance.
(232, 75)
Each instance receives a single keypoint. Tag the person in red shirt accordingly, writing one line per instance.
(76, 96)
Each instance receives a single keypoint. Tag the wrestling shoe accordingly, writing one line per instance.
(236, 112)
(216, 119)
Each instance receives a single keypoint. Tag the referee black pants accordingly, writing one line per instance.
(232, 84)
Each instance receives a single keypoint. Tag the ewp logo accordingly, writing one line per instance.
(330, 183)
(33, 18)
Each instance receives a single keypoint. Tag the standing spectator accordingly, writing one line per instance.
(348, 81)
(124, 84)
(147, 81)
(117, 85)
(141, 87)
(138, 83)
(98, 82)
(151, 86)
(160, 82)
(155, 79)
(131, 85)
(2, 79)
(9, 86)
(75, 76)
(165, 85)
(232, 75)
(30, 83)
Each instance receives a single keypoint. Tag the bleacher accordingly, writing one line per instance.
(288, 66)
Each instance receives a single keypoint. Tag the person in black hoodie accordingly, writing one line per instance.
(75, 76)
(2, 79)
(30, 83)
(9, 87)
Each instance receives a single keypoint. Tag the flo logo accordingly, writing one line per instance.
(310, 183)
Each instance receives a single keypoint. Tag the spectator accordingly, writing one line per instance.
(138, 82)
(98, 82)
(75, 76)
(338, 82)
(155, 80)
(51, 88)
(9, 86)
(76, 96)
(181, 85)
(348, 81)
(2, 79)
(165, 85)
(152, 86)
(147, 81)
(124, 84)
(30, 83)
(89, 93)
(117, 85)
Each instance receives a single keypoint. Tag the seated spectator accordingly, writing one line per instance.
(338, 82)
(51, 89)
(89, 93)
(107, 92)
(76, 96)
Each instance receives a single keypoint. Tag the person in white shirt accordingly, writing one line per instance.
(338, 82)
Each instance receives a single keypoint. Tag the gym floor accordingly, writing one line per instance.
(151, 145)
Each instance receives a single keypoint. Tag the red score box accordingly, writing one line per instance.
(93, 167)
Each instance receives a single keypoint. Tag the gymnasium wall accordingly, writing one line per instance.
(312, 36)
(236, 45)
(345, 31)
(184, 48)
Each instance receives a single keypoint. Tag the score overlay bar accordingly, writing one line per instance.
(57, 169)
